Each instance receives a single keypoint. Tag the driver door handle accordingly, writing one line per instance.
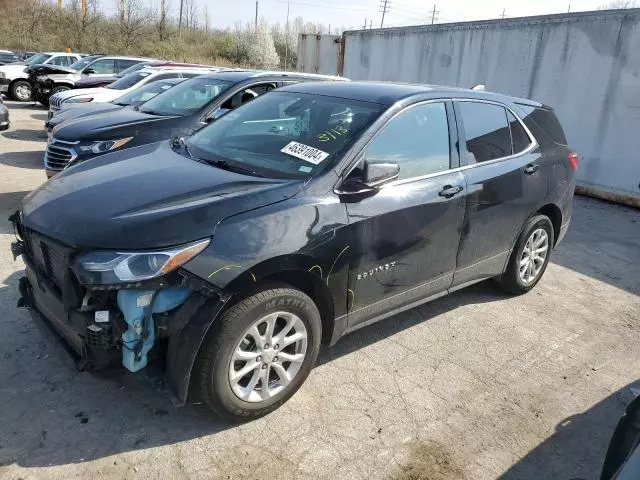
(531, 168)
(449, 191)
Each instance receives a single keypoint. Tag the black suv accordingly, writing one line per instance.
(309, 212)
(175, 113)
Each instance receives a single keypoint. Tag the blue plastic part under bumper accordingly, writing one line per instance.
(136, 305)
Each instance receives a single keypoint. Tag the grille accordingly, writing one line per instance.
(58, 154)
(54, 102)
(49, 257)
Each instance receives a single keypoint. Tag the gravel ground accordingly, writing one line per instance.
(475, 385)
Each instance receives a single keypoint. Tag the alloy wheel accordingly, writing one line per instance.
(268, 357)
(533, 256)
(23, 93)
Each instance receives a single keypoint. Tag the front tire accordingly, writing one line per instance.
(258, 354)
(530, 256)
(21, 91)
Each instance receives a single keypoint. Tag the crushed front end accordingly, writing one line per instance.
(106, 323)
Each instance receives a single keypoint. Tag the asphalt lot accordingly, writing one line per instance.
(477, 385)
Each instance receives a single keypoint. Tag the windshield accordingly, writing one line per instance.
(285, 134)
(38, 58)
(80, 64)
(186, 98)
(146, 92)
(129, 81)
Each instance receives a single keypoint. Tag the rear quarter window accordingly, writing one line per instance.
(546, 120)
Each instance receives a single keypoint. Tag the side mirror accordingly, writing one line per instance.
(377, 174)
(374, 175)
(88, 71)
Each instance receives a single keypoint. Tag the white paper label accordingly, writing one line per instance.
(94, 328)
(144, 300)
(305, 152)
(101, 316)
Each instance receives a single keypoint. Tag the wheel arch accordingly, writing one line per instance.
(554, 213)
(298, 271)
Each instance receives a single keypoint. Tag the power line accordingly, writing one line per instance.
(384, 8)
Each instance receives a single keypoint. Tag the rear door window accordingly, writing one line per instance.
(62, 60)
(121, 64)
(487, 132)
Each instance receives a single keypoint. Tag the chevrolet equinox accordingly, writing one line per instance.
(229, 256)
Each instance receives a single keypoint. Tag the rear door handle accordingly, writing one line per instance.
(531, 168)
(449, 191)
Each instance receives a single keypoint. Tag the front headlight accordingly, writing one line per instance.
(79, 100)
(108, 267)
(104, 146)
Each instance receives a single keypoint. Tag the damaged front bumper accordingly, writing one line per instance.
(133, 325)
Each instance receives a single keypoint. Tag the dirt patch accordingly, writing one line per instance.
(429, 461)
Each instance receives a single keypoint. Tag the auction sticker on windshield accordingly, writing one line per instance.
(305, 152)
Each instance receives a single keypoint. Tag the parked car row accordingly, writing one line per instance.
(234, 221)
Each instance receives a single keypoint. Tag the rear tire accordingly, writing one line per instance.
(20, 90)
(530, 256)
(240, 341)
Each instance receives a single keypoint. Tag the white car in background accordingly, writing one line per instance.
(124, 85)
(14, 81)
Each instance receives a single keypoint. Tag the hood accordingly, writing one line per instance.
(77, 110)
(104, 126)
(75, 92)
(13, 68)
(46, 69)
(144, 197)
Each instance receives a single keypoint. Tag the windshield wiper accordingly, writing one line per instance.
(224, 165)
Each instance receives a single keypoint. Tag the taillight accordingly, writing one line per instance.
(573, 161)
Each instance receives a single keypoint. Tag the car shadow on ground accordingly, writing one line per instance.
(589, 249)
(578, 444)
(13, 105)
(39, 116)
(28, 135)
(32, 159)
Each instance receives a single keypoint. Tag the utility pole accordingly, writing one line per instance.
(569, 9)
(384, 8)
(434, 12)
(286, 40)
(84, 9)
(504, 10)
(256, 14)
(370, 24)
(121, 9)
(364, 27)
(59, 5)
(206, 18)
(180, 18)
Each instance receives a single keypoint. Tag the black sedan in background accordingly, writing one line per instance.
(177, 112)
(138, 96)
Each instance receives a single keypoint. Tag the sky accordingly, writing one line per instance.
(352, 13)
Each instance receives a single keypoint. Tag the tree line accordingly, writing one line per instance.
(38, 25)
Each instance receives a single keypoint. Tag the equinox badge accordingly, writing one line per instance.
(380, 268)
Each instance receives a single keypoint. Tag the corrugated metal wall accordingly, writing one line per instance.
(585, 65)
(319, 53)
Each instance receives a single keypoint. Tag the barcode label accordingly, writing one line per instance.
(305, 152)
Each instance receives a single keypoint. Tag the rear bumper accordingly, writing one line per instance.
(563, 231)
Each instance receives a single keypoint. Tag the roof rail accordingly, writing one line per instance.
(297, 74)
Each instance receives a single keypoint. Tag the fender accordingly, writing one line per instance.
(185, 345)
